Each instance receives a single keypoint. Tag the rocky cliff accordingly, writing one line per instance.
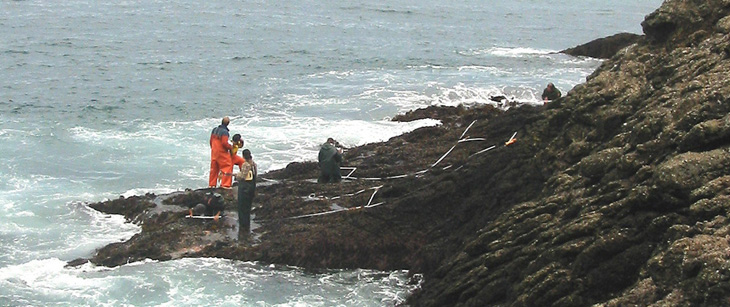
(634, 206)
(614, 195)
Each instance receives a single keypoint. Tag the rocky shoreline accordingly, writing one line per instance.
(367, 222)
(617, 194)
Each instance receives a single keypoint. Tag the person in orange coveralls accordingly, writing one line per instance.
(220, 156)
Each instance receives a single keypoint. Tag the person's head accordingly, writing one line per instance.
(237, 139)
(247, 154)
(551, 86)
(226, 121)
(331, 141)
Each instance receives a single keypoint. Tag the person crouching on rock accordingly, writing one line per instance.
(246, 190)
(329, 159)
(550, 93)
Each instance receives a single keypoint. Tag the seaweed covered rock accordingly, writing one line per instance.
(634, 207)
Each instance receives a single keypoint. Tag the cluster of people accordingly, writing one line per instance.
(223, 157)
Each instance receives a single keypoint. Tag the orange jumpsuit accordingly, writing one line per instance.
(235, 158)
(220, 158)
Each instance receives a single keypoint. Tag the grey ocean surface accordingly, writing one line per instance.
(106, 98)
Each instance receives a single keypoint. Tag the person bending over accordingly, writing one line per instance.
(329, 159)
(550, 93)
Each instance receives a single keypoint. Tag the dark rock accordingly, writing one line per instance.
(199, 209)
(682, 22)
(296, 170)
(128, 207)
(77, 262)
(604, 48)
(445, 114)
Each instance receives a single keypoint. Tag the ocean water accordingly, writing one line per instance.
(106, 98)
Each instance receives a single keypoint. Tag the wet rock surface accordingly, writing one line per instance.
(381, 218)
(615, 195)
(634, 207)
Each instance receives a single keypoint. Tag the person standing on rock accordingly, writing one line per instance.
(237, 143)
(246, 191)
(329, 159)
(220, 156)
(550, 93)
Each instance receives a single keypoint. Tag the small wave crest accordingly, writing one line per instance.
(200, 281)
(515, 52)
(459, 94)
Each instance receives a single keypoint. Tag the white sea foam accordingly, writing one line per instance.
(90, 229)
(38, 280)
(491, 70)
(143, 191)
(22, 214)
(222, 281)
(514, 51)
(32, 273)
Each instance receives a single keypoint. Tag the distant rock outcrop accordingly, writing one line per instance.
(604, 48)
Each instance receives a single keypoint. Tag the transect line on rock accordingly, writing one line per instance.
(511, 141)
(368, 205)
(351, 168)
(384, 178)
(467, 129)
(461, 140)
(313, 196)
(457, 143)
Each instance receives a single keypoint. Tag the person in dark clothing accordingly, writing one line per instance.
(246, 191)
(550, 93)
(329, 159)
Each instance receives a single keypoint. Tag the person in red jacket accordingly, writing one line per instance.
(220, 156)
